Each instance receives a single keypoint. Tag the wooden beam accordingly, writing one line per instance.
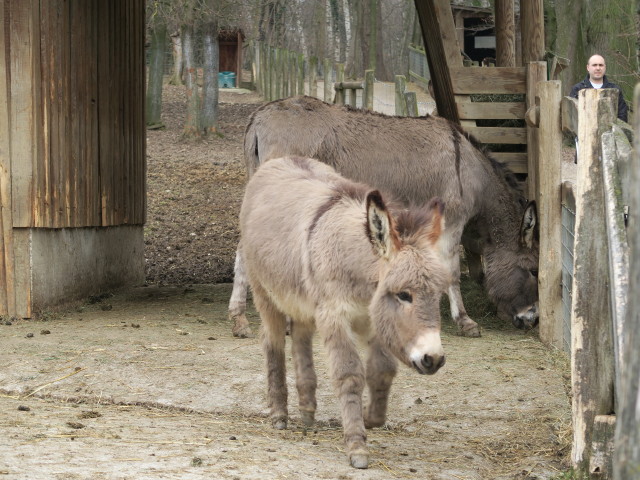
(536, 72)
(550, 212)
(570, 115)
(627, 439)
(470, 80)
(512, 136)
(443, 52)
(532, 31)
(491, 110)
(592, 372)
(516, 161)
(505, 33)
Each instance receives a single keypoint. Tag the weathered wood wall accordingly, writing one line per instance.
(77, 131)
(72, 132)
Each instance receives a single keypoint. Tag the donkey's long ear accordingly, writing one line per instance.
(529, 226)
(435, 208)
(380, 230)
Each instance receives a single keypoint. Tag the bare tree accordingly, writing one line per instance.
(157, 50)
(192, 126)
(210, 77)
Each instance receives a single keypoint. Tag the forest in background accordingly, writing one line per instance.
(363, 35)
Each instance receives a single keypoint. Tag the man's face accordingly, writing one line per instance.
(596, 68)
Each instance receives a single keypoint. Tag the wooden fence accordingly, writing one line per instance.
(594, 245)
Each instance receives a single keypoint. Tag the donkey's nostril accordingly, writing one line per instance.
(427, 362)
(432, 363)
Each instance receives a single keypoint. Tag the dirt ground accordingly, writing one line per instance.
(148, 383)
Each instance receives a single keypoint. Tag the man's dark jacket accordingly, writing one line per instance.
(622, 105)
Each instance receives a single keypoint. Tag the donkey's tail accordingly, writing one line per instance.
(251, 155)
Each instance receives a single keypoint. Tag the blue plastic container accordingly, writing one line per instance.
(226, 80)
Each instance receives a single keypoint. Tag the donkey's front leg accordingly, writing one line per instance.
(238, 300)
(273, 343)
(306, 381)
(381, 369)
(466, 326)
(347, 374)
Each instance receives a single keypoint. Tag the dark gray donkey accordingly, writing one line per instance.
(414, 159)
(336, 256)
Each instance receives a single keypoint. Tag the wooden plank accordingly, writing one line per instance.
(591, 342)
(512, 136)
(627, 439)
(105, 87)
(78, 65)
(505, 33)
(569, 113)
(142, 133)
(7, 266)
(601, 457)
(443, 52)
(42, 209)
(474, 80)
(491, 110)
(21, 60)
(93, 193)
(516, 161)
(536, 72)
(550, 214)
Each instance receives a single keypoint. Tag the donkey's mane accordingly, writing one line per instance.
(502, 170)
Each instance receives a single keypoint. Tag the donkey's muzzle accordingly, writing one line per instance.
(429, 364)
(526, 319)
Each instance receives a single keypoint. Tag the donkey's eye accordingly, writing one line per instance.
(404, 297)
(534, 272)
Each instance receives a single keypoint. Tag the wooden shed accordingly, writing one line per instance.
(520, 60)
(230, 41)
(72, 150)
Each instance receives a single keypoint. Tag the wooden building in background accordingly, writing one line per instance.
(72, 150)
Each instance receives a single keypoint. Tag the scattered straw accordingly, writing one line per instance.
(78, 370)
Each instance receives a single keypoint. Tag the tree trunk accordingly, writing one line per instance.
(178, 64)
(372, 20)
(210, 80)
(192, 126)
(339, 28)
(354, 67)
(156, 72)
(320, 27)
(381, 66)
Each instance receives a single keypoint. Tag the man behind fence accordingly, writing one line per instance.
(596, 78)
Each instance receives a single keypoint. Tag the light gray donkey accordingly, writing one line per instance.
(334, 255)
(414, 159)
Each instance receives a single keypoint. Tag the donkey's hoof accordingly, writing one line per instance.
(359, 460)
(471, 330)
(308, 418)
(279, 423)
(241, 329)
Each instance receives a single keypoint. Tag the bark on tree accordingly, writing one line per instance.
(178, 64)
(156, 71)
(210, 78)
(354, 67)
(339, 28)
(192, 126)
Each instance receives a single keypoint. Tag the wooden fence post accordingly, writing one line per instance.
(536, 72)
(549, 212)
(367, 95)
(591, 342)
(627, 437)
(401, 103)
(411, 101)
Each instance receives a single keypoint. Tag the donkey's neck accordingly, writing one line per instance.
(499, 215)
